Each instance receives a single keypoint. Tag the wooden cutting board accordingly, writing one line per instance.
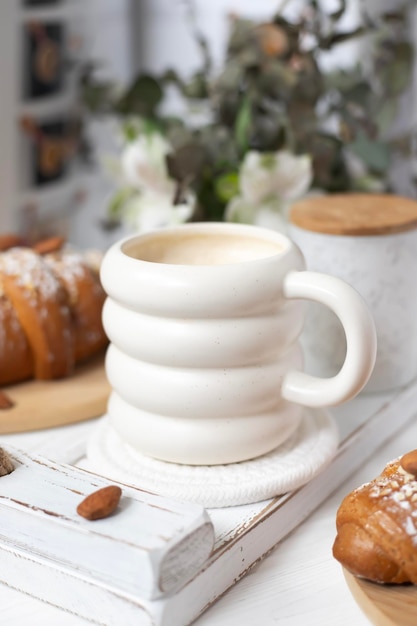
(385, 605)
(44, 404)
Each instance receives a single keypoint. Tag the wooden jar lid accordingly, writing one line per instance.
(355, 214)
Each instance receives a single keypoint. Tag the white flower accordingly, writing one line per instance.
(269, 182)
(281, 174)
(150, 210)
(269, 214)
(240, 210)
(144, 164)
(292, 175)
(255, 177)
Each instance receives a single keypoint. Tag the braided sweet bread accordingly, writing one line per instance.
(51, 301)
(377, 525)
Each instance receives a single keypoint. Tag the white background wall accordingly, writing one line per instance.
(107, 32)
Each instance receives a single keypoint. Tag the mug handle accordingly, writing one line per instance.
(359, 328)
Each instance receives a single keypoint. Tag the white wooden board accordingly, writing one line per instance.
(243, 535)
(149, 547)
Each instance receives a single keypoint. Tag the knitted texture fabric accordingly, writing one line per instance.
(286, 468)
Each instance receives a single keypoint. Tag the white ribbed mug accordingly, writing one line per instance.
(204, 322)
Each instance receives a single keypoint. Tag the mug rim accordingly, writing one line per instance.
(134, 282)
(206, 228)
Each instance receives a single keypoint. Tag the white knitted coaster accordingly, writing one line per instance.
(288, 467)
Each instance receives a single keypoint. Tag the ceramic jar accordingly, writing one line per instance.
(369, 241)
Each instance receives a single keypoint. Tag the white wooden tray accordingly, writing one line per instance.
(143, 549)
(243, 535)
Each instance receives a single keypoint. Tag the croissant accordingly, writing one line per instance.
(51, 302)
(377, 525)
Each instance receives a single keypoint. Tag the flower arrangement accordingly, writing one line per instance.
(275, 126)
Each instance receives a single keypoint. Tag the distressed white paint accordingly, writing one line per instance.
(243, 536)
(148, 547)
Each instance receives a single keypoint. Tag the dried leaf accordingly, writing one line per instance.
(177, 134)
(187, 162)
(142, 98)
(249, 57)
(270, 131)
(196, 87)
(359, 94)
(277, 80)
(230, 78)
(242, 32)
(98, 98)
(329, 167)
(310, 84)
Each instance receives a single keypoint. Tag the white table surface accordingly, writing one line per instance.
(299, 584)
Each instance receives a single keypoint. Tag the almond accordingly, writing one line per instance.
(409, 462)
(101, 503)
(5, 401)
(6, 464)
(9, 241)
(46, 246)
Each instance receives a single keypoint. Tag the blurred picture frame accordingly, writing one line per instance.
(40, 3)
(50, 148)
(43, 59)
